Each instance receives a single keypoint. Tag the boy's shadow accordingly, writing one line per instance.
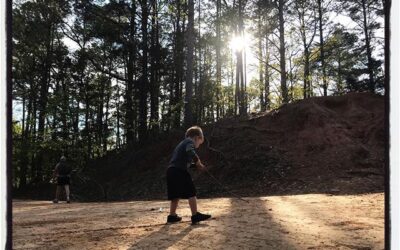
(164, 237)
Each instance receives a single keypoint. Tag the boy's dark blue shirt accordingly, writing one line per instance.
(184, 154)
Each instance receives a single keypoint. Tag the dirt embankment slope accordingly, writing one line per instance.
(318, 145)
(329, 144)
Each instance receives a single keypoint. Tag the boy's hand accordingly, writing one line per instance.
(200, 166)
(198, 163)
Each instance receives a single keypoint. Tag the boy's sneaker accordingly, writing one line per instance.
(68, 201)
(200, 217)
(173, 218)
(55, 201)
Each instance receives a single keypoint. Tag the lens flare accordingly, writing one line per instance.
(238, 43)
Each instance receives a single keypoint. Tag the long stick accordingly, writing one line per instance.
(219, 183)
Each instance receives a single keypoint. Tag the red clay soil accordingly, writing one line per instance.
(310, 221)
(329, 144)
(319, 145)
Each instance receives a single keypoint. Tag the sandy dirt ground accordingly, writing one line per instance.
(313, 221)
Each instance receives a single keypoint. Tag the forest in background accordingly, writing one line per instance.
(90, 77)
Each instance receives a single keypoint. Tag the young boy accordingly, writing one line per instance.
(179, 181)
(62, 171)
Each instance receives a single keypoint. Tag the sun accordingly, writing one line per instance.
(239, 43)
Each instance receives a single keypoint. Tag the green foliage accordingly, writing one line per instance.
(80, 84)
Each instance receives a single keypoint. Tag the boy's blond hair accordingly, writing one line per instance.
(194, 131)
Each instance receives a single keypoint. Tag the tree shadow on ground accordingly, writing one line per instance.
(282, 223)
(255, 229)
(167, 236)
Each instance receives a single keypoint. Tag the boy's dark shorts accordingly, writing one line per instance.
(62, 180)
(179, 184)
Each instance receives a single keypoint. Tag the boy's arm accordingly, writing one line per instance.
(192, 156)
(191, 153)
(55, 171)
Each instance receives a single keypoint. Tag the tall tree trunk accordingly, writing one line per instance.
(282, 50)
(196, 63)
(118, 142)
(218, 55)
(266, 87)
(260, 64)
(25, 143)
(306, 53)
(64, 113)
(306, 73)
(245, 96)
(371, 83)
(87, 117)
(76, 117)
(24, 161)
(129, 90)
(199, 108)
(154, 76)
(43, 99)
(237, 87)
(55, 119)
(105, 127)
(23, 112)
(178, 67)
(340, 83)
(307, 92)
(144, 79)
(188, 119)
(99, 116)
(291, 79)
(239, 56)
(321, 47)
(33, 138)
(232, 108)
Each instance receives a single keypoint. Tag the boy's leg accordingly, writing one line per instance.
(173, 217)
(67, 191)
(174, 205)
(58, 189)
(196, 216)
(193, 204)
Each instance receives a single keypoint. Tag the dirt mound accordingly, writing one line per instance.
(329, 144)
(318, 145)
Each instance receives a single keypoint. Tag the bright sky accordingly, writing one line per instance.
(250, 42)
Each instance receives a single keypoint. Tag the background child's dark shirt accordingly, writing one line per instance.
(184, 154)
(63, 169)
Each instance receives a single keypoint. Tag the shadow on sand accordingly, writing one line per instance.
(167, 236)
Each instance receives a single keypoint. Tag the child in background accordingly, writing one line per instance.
(62, 172)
